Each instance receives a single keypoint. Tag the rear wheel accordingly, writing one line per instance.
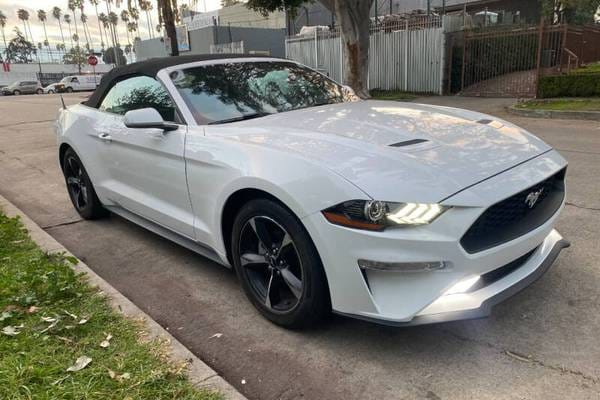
(278, 265)
(40, 91)
(80, 188)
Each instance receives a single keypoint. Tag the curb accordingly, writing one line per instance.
(200, 374)
(553, 114)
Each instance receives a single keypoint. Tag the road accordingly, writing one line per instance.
(541, 344)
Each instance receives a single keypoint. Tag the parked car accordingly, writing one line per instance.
(51, 88)
(23, 87)
(78, 83)
(392, 212)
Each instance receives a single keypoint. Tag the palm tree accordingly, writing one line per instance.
(56, 13)
(103, 18)
(67, 19)
(42, 17)
(23, 15)
(146, 6)
(113, 18)
(133, 26)
(2, 26)
(95, 4)
(73, 5)
(112, 23)
(125, 19)
(88, 38)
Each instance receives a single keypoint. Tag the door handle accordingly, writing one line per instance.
(105, 136)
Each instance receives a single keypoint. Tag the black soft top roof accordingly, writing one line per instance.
(149, 68)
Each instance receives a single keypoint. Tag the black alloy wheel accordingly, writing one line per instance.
(272, 263)
(278, 265)
(80, 188)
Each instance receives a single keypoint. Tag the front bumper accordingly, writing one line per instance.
(412, 298)
(479, 304)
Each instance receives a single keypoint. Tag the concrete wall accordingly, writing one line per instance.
(149, 48)
(269, 40)
(255, 39)
(240, 15)
(29, 71)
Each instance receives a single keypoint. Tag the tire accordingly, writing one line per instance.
(50, 91)
(287, 286)
(16, 92)
(80, 188)
(69, 89)
(40, 91)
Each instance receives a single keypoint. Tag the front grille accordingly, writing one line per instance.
(513, 217)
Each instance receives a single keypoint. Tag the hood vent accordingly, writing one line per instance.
(409, 142)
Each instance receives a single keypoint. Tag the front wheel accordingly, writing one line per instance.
(80, 188)
(17, 92)
(50, 91)
(69, 90)
(278, 265)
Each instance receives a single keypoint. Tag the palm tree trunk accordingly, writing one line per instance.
(99, 26)
(25, 30)
(46, 37)
(30, 34)
(70, 35)
(113, 35)
(62, 36)
(148, 23)
(76, 31)
(4, 39)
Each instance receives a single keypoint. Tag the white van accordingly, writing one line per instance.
(76, 83)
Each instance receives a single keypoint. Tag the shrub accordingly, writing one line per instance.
(575, 85)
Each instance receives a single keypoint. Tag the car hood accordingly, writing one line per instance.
(395, 151)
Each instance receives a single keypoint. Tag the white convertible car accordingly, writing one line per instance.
(393, 212)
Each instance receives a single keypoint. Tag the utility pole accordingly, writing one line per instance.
(428, 7)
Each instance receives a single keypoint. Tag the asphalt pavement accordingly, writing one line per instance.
(541, 344)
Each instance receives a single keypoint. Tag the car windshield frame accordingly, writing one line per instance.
(334, 92)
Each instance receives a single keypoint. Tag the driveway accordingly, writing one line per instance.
(541, 344)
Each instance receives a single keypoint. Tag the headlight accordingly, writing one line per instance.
(376, 215)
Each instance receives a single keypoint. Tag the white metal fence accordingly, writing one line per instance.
(403, 55)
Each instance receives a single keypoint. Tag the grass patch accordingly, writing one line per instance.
(44, 306)
(587, 69)
(562, 105)
(395, 95)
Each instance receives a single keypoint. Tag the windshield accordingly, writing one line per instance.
(229, 92)
(65, 79)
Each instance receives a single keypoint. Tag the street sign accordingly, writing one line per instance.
(93, 60)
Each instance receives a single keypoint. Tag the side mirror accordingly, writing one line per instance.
(148, 118)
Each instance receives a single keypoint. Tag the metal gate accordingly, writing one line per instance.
(407, 55)
(508, 62)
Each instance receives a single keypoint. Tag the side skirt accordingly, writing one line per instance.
(160, 230)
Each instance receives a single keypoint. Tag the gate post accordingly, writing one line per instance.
(539, 56)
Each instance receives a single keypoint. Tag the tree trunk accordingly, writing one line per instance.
(168, 18)
(354, 21)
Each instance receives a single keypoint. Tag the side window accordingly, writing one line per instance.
(74, 80)
(139, 92)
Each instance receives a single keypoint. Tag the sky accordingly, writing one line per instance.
(10, 7)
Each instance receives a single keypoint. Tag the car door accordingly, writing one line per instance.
(27, 87)
(145, 166)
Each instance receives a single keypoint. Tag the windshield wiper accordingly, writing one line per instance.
(240, 118)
